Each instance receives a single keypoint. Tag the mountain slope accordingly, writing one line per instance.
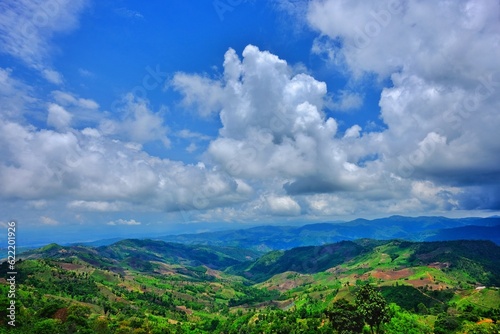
(471, 232)
(473, 261)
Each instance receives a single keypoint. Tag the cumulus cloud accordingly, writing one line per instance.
(96, 173)
(138, 123)
(200, 92)
(440, 110)
(274, 126)
(58, 117)
(353, 131)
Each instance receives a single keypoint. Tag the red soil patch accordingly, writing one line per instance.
(71, 266)
(421, 282)
(283, 285)
(392, 274)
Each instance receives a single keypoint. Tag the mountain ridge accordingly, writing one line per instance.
(269, 237)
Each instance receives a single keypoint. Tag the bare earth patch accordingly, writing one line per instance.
(71, 266)
(392, 274)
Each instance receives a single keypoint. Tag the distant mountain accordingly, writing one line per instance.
(471, 232)
(266, 238)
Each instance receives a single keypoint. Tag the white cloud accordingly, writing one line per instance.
(353, 132)
(274, 126)
(188, 134)
(200, 92)
(15, 96)
(130, 222)
(27, 27)
(48, 221)
(440, 111)
(52, 76)
(283, 206)
(191, 148)
(137, 124)
(92, 172)
(96, 206)
(68, 99)
(58, 117)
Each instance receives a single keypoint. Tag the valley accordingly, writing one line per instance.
(152, 286)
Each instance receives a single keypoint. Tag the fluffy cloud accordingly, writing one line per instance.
(273, 126)
(95, 173)
(200, 92)
(138, 123)
(58, 117)
(441, 108)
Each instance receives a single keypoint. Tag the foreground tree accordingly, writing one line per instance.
(373, 307)
(345, 317)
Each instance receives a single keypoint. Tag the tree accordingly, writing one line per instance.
(373, 307)
(405, 322)
(47, 326)
(446, 324)
(345, 317)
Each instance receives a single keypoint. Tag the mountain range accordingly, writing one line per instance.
(266, 238)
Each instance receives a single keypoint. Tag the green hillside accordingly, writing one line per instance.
(145, 286)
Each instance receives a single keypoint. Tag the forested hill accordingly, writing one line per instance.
(480, 260)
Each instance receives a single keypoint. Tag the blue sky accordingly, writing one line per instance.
(127, 119)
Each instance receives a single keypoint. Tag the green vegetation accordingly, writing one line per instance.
(365, 286)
